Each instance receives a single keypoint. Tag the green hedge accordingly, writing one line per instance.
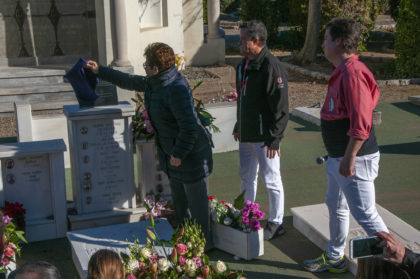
(407, 40)
(295, 13)
(271, 12)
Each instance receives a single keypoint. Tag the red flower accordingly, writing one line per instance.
(212, 198)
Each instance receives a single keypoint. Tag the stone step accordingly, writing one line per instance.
(35, 89)
(313, 222)
(11, 77)
(8, 110)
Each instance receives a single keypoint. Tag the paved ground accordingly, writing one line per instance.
(305, 183)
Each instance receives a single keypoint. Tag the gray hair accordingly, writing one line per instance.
(256, 29)
(38, 269)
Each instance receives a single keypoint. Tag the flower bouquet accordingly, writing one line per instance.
(13, 237)
(236, 228)
(182, 257)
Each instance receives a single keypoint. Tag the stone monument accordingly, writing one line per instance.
(84, 243)
(32, 173)
(101, 157)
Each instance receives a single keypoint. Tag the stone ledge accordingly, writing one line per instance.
(326, 77)
(414, 99)
(312, 114)
(313, 222)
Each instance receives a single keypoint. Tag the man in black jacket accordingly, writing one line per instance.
(262, 115)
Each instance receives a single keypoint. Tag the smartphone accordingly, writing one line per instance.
(365, 247)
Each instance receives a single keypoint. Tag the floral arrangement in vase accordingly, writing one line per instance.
(13, 236)
(186, 259)
(243, 215)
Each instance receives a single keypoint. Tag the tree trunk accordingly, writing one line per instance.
(308, 53)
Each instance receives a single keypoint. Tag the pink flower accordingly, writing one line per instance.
(245, 212)
(255, 224)
(8, 252)
(6, 220)
(259, 214)
(245, 220)
(254, 206)
(145, 115)
(182, 261)
(149, 127)
(5, 261)
(181, 249)
(197, 261)
(154, 258)
(131, 276)
(11, 246)
(247, 203)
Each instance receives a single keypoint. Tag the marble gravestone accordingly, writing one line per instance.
(32, 173)
(151, 176)
(84, 243)
(101, 157)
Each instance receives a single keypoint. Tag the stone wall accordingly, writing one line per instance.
(46, 32)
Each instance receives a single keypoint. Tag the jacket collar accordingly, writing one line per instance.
(257, 62)
(163, 79)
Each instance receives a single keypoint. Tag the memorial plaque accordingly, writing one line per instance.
(101, 159)
(27, 181)
(85, 243)
(32, 173)
(107, 94)
(103, 163)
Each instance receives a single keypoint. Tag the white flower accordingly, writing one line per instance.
(227, 221)
(133, 265)
(190, 267)
(189, 245)
(145, 252)
(219, 267)
(163, 264)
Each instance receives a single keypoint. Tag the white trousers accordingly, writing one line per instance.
(251, 158)
(354, 194)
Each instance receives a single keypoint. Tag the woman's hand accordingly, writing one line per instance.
(176, 162)
(93, 66)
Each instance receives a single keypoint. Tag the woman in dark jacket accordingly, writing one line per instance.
(182, 142)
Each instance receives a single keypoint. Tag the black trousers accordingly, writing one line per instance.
(192, 196)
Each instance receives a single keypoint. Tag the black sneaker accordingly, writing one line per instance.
(272, 230)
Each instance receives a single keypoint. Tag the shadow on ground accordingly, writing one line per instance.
(408, 107)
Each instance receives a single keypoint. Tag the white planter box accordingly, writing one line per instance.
(244, 245)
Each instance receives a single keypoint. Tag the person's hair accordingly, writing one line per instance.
(36, 270)
(348, 30)
(256, 29)
(160, 55)
(373, 268)
(105, 264)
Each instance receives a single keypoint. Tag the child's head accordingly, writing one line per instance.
(105, 264)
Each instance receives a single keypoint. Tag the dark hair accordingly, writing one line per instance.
(256, 29)
(379, 269)
(105, 264)
(348, 30)
(160, 55)
(37, 270)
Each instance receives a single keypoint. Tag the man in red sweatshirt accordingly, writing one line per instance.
(349, 137)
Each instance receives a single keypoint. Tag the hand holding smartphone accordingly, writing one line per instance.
(365, 247)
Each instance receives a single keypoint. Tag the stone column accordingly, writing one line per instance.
(120, 34)
(213, 18)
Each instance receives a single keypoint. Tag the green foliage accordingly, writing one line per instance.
(363, 11)
(292, 39)
(407, 41)
(271, 12)
(205, 11)
(394, 8)
(229, 6)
